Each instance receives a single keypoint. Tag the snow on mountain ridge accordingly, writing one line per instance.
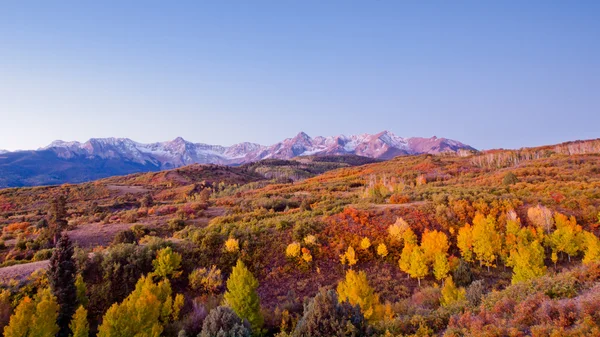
(179, 152)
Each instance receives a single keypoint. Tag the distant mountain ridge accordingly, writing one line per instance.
(179, 152)
(63, 161)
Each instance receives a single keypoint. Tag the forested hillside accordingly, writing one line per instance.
(501, 243)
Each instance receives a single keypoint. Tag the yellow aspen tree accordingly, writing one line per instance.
(46, 314)
(355, 289)
(464, 241)
(451, 293)
(513, 228)
(144, 312)
(349, 257)
(396, 230)
(293, 250)
(382, 250)
(81, 287)
(34, 318)
(486, 240)
(404, 261)
(541, 217)
(418, 267)
(441, 267)
(527, 261)
(409, 237)
(365, 243)
(592, 248)
(432, 244)
(79, 325)
(232, 245)
(566, 237)
(21, 320)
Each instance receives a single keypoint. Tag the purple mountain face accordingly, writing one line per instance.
(74, 162)
(179, 152)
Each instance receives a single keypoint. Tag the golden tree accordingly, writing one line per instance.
(79, 325)
(355, 289)
(527, 261)
(349, 257)
(433, 243)
(397, 229)
(592, 248)
(418, 266)
(441, 267)
(382, 250)
(34, 318)
(365, 243)
(567, 236)
(451, 293)
(293, 250)
(486, 240)
(144, 312)
(22, 319)
(405, 256)
(232, 245)
(464, 241)
(541, 217)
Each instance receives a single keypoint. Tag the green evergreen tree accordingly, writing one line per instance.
(58, 216)
(242, 297)
(61, 276)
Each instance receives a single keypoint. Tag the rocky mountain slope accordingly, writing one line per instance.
(62, 161)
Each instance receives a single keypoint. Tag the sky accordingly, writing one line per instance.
(492, 74)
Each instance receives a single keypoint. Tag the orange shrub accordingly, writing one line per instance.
(16, 226)
(399, 199)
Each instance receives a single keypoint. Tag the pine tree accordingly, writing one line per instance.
(355, 289)
(61, 276)
(79, 324)
(58, 215)
(242, 297)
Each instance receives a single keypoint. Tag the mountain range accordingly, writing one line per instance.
(72, 162)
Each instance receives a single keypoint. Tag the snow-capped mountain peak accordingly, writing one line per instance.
(179, 152)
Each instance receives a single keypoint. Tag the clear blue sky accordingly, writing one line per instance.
(488, 73)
